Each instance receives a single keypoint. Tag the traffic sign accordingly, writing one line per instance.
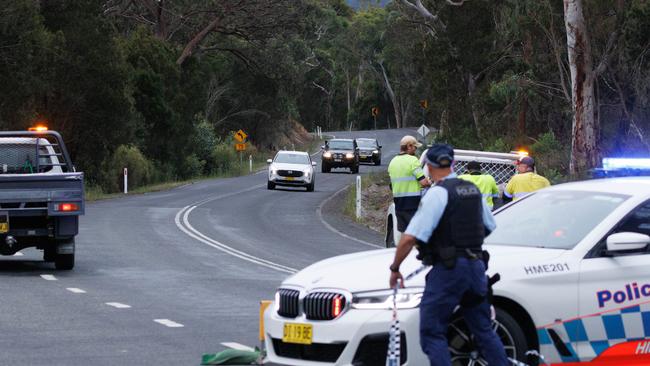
(423, 130)
(240, 136)
(375, 111)
(424, 104)
(240, 147)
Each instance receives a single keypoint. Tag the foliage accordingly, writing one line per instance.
(140, 170)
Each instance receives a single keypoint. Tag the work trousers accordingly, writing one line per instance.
(443, 292)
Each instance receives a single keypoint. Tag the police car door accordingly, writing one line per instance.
(614, 293)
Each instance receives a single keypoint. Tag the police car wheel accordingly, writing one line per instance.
(463, 348)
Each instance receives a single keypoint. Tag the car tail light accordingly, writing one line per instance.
(66, 207)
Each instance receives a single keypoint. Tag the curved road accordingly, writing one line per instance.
(162, 278)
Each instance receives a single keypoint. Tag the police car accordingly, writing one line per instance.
(574, 261)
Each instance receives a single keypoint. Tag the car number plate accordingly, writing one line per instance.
(297, 333)
(288, 178)
(4, 222)
(337, 159)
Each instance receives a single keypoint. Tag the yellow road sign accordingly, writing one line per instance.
(375, 111)
(424, 103)
(240, 136)
(240, 147)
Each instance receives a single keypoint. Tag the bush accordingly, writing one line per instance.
(551, 157)
(192, 167)
(224, 157)
(140, 169)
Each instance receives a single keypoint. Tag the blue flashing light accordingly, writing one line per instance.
(626, 163)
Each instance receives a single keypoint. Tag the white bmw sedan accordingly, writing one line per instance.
(293, 169)
(574, 261)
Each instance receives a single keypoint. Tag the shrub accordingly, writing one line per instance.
(140, 169)
(224, 157)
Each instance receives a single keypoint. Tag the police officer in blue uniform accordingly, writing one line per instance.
(448, 229)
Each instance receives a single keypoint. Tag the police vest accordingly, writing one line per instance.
(461, 225)
(404, 171)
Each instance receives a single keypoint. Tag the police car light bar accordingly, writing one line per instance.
(626, 163)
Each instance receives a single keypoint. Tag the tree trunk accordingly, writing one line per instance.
(471, 88)
(393, 98)
(584, 152)
(194, 42)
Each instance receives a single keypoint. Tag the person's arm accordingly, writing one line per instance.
(488, 219)
(418, 172)
(406, 244)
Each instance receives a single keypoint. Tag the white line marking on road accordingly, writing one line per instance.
(47, 277)
(18, 254)
(76, 290)
(319, 211)
(118, 305)
(168, 323)
(237, 346)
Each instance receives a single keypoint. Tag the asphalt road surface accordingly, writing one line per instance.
(162, 278)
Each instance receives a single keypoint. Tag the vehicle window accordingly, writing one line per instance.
(553, 219)
(367, 143)
(637, 222)
(341, 145)
(292, 159)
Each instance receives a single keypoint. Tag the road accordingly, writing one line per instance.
(163, 278)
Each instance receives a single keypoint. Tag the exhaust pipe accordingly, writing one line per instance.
(11, 241)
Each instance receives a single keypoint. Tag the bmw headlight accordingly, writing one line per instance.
(327, 155)
(407, 298)
(349, 155)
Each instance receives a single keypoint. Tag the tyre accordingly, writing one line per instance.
(378, 162)
(65, 261)
(463, 349)
(49, 253)
(354, 169)
(270, 185)
(310, 186)
(325, 168)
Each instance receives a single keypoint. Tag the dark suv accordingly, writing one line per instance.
(340, 153)
(369, 150)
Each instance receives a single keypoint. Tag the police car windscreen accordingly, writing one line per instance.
(554, 219)
(342, 145)
(292, 159)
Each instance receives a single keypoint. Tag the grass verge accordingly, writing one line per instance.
(375, 199)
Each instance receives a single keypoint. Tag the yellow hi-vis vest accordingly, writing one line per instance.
(405, 172)
(486, 184)
(524, 183)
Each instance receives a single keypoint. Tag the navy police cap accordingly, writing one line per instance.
(440, 155)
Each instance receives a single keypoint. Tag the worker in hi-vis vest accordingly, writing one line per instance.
(525, 181)
(406, 180)
(485, 182)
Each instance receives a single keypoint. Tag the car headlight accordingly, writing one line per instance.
(407, 298)
(274, 171)
(349, 155)
(307, 172)
(327, 155)
(375, 151)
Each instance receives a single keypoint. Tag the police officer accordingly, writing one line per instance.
(485, 182)
(525, 181)
(448, 229)
(406, 181)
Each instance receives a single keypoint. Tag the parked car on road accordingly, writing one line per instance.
(292, 169)
(340, 153)
(41, 196)
(574, 261)
(369, 150)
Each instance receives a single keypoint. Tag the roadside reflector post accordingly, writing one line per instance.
(126, 180)
(263, 305)
(358, 197)
(250, 163)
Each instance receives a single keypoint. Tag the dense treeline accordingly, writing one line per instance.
(159, 86)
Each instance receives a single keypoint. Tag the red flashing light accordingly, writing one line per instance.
(66, 207)
(337, 306)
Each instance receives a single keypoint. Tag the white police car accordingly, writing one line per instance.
(574, 261)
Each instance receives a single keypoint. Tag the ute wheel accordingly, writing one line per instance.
(49, 253)
(463, 349)
(65, 261)
(325, 168)
(270, 185)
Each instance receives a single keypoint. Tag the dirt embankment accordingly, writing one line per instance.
(375, 199)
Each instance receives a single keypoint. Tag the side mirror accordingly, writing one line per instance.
(269, 161)
(625, 241)
(322, 147)
(313, 163)
(379, 146)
